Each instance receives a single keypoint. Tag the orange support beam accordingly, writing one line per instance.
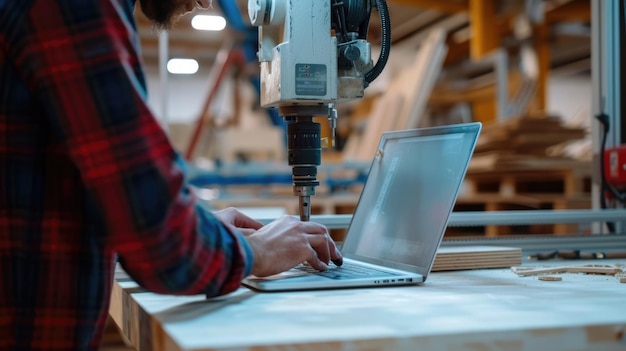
(483, 22)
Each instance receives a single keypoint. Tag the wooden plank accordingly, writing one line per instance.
(112, 338)
(490, 162)
(447, 7)
(606, 269)
(571, 11)
(402, 105)
(382, 119)
(526, 135)
(472, 257)
(559, 185)
(417, 83)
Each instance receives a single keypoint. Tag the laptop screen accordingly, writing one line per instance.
(409, 194)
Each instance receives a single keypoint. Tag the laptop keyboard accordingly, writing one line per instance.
(348, 271)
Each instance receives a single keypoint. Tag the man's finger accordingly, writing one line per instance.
(244, 221)
(320, 245)
(335, 255)
(315, 262)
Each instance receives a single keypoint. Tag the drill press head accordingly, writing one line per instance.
(313, 54)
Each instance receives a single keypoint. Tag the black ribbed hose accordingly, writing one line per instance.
(385, 48)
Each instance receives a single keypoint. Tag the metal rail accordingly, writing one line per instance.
(528, 243)
(461, 219)
(541, 243)
(479, 218)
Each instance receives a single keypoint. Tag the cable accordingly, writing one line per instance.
(385, 48)
(603, 118)
(603, 182)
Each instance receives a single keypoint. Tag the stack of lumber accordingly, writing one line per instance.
(510, 159)
(476, 257)
(503, 161)
(511, 170)
(522, 142)
(526, 135)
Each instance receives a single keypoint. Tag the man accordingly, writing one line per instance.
(88, 176)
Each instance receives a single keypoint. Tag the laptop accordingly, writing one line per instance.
(401, 215)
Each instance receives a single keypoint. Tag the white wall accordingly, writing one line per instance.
(186, 95)
(570, 98)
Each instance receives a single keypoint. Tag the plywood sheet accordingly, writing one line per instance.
(474, 257)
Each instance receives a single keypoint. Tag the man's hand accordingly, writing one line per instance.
(287, 242)
(232, 217)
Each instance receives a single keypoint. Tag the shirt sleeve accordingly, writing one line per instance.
(81, 61)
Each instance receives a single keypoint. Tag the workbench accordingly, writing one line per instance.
(489, 309)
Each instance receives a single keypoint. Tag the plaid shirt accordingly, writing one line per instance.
(86, 173)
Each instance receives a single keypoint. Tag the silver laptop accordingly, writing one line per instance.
(401, 216)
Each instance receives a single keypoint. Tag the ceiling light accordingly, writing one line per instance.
(182, 66)
(208, 22)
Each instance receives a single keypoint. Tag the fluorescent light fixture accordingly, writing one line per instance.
(182, 66)
(208, 22)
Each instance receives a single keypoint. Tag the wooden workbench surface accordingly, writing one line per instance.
(463, 310)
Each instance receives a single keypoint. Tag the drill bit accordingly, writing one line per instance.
(305, 207)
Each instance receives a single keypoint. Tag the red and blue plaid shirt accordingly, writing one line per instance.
(86, 173)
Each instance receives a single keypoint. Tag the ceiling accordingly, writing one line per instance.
(568, 31)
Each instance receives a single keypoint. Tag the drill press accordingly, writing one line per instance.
(314, 54)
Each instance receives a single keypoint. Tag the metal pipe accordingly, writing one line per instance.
(478, 218)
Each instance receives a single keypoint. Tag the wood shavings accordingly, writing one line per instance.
(606, 269)
(550, 278)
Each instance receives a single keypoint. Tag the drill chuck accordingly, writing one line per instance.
(304, 155)
(304, 142)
